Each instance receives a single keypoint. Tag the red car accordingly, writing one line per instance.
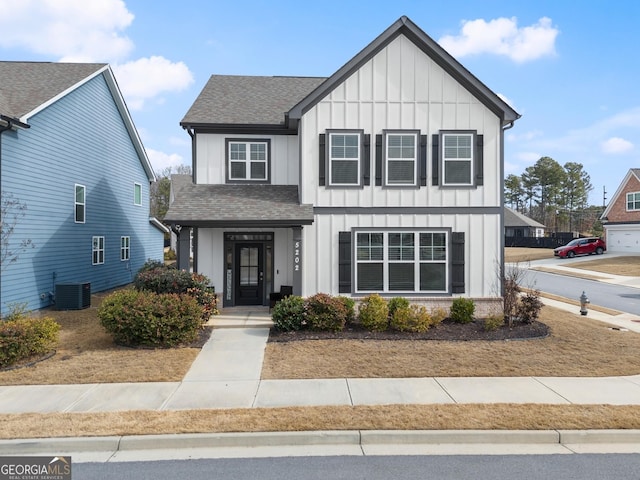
(581, 246)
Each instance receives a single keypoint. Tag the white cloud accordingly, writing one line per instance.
(160, 160)
(72, 30)
(502, 36)
(616, 145)
(524, 137)
(180, 141)
(147, 78)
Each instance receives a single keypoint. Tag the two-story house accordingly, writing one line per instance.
(75, 183)
(621, 218)
(385, 177)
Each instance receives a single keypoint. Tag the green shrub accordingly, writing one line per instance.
(413, 318)
(438, 314)
(493, 322)
(163, 279)
(374, 313)
(462, 310)
(139, 318)
(21, 338)
(169, 255)
(395, 303)
(289, 314)
(529, 306)
(350, 305)
(325, 312)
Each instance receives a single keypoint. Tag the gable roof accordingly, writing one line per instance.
(246, 100)
(238, 205)
(513, 218)
(27, 88)
(633, 172)
(404, 26)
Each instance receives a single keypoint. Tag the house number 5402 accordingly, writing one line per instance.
(296, 257)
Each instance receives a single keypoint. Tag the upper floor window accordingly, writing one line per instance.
(97, 250)
(633, 201)
(457, 158)
(248, 160)
(80, 203)
(344, 158)
(137, 194)
(401, 153)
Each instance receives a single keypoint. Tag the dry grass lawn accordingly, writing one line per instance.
(523, 255)
(87, 354)
(386, 417)
(626, 266)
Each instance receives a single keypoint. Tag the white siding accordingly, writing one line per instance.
(401, 88)
(211, 158)
(482, 251)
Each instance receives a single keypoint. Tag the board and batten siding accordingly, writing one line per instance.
(80, 139)
(482, 252)
(401, 88)
(211, 157)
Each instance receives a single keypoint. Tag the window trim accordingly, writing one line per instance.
(416, 157)
(97, 251)
(248, 142)
(125, 248)
(635, 202)
(417, 262)
(360, 160)
(137, 188)
(76, 204)
(442, 161)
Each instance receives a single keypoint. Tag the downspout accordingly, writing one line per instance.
(502, 273)
(194, 165)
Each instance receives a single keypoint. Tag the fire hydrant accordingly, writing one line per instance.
(584, 300)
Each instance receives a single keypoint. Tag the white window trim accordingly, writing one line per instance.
(125, 248)
(444, 160)
(83, 203)
(416, 261)
(634, 202)
(247, 161)
(416, 151)
(137, 186)
(358, 160)
(97, 250)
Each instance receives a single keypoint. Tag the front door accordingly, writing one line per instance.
(249, 274)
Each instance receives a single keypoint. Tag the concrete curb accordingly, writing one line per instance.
(361, 438)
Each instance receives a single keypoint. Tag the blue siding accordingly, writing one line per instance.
(81, 139)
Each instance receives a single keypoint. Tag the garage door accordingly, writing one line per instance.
(623, 241)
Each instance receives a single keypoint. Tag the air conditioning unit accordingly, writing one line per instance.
(73, 296)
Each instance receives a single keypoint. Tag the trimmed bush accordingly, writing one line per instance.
(136, 318)
(462, 310)
(395, 303)
(289, 314)
(158, 278)
(374, 313)
(413, 318)
(325, 312)
(350, 305)
(493, 322)
(22, 337)
(528, 309)
(438, 314)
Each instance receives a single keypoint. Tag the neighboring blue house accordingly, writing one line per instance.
(71, 154)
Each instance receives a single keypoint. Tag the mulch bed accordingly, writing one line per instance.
(446, 331)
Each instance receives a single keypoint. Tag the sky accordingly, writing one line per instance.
(570, 69)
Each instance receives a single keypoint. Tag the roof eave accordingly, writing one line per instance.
(240, 128)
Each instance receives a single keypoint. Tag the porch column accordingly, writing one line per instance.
(183, 246)
(297, 260)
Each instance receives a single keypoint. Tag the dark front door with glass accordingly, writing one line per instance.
(249, 274)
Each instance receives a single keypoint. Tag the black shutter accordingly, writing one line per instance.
(378, 160)
(435, 155)
(322, 167)
(366, 149)
(344, 262)
(479, 166)
(423, 160)
(457, 262)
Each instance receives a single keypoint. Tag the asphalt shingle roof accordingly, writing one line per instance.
(513, 218)
(248, 100)
(220, 205)
(24, 86)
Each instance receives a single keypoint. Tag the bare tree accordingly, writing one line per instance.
(12, 210)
